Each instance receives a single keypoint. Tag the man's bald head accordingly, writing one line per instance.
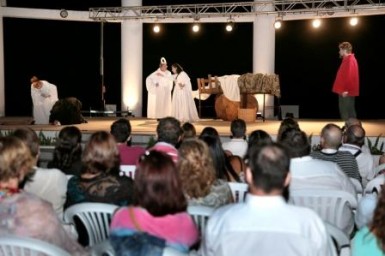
(355, 135)
(331, 136)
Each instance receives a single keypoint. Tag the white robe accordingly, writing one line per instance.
(43, 99)
(183, 105)
(159, 97)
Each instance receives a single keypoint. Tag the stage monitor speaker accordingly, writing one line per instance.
(290, 111)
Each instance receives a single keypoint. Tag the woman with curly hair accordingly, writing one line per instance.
(370, 240)
(197, 172)
(68, 151)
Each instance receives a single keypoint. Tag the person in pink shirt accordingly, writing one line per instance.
(347, 81)
(159, 217)
(121, 130)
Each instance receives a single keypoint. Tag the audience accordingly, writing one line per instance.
(209, 131)
(169, 134)
(370, 239)
(265, 224)
(354, 121)
(121, 130)
(308, 172)
(188, 130)
(24, 214)
(48, 184)
(238, 144)
(330, 141)
(258, 138)
(287, 124)
(353, 140)
(198, 176)
(68, 151)
(99, 181)
(159, 217)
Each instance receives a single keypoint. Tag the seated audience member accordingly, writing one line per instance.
(24, 214)
(198, 176)
(330, 141)
(353, 140)
(258, 138)
(238, 144)
(308, 172)
(209, 131)
(159, 217)
(286, 124)
(121, 130)
(169, 134)
(224, 169)
(68, 151)
(48, 184)
(99, 181)
(188, 131)
(254, 227)
(370, 239)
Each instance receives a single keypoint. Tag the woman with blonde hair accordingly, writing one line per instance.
(198, 175)
(23, 214)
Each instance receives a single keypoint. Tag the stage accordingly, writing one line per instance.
(143, 128)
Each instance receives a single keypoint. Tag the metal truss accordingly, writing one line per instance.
(197, 11)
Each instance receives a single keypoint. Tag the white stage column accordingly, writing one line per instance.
(2, 86)
(264, 54)
(132, 58)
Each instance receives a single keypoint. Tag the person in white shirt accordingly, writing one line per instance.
(44, 95)
(265, 224)
(48, 184)
(310, 173)
(238, 144)
(353, 140)
(159, 86)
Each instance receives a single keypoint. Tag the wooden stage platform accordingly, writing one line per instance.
(143, 128)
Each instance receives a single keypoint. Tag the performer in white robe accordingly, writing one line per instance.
(44, 95)
(183, 105)
(159, 86)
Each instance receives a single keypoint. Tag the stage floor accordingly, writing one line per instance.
(144, 126)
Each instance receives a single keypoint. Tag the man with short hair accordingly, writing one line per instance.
(121, 130)
(331, 139)
(238, 144)
(346, 84)
(265, 224)
(353, 140)
(169, 133)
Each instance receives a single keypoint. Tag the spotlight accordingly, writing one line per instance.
(229, 27)
(195, 28)
(277, 24)
(316, 23)
(353, 21)
(156, 28)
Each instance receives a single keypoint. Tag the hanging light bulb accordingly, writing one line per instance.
(229, 26)
(195, 27)
(156, 28)
(277, 24)
(316, 23)
(353, 21)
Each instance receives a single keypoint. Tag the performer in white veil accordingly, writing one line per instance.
(183, 105)
(44, 95)
(159, 86)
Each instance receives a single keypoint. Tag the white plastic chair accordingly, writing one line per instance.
(95, 217)
(329, 204)
(375, 185)
(102, 249)
(201, 215)
(358, 186)
(341, 240)
(128, 170)
(23, 246)
(239, 191)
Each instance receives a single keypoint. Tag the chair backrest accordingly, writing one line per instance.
(375, 185)
(239, 191)
(200, 215)
(128, 170)
(210, 85)
(358, 186)
(329, 204)
(102, 249)
(95, 217)
(20, 246)
(341, 240)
